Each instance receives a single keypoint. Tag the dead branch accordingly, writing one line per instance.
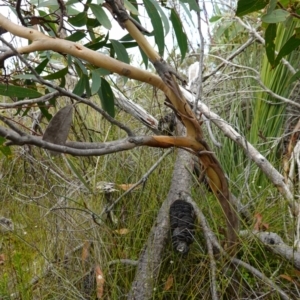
(237, 262)
(150, 258)
(276, 245)
(274, 176)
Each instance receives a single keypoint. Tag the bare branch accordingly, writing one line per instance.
(275, 177)
(201, 60)
(275, 244)
(41, 99)
(230, 57)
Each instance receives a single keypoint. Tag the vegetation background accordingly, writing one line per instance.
(80, 226)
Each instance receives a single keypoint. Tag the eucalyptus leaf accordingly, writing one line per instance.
(163, 16)
(192, 4)
(101, 16)
(157, 25)
(107, 98)
(292, 44)
(76, 36)
(180, 34)
(79, 20)
(96, 83)
(270, 36)
(276, 16)
(58, 129)
(121, 52)
(130, 7)
(59, 74)
(17, 91)
(245, 7)
(40, 68)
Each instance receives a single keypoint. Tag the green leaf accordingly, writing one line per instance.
(130, 7)
(126, 38)
(121, 52)
(17, 91)
(245, 7)
(125, 44)
(180, 35)
(77, 36)
(107, 98)
(144, 57)
(80, 86)
(157, 26)
(59, 74)
(270, 36)
(91, 22)
(295, 77)
(5, 149)
(271, 6)
(96, 83)
(276, 16)
(163, 16)
(79, 20)
(40, 68)
(94, 45)
(101, 16)
(192, 4)
(48, 3)
(214, 19)
(292, 44)
(102, 72)
(81, 66)
(187, 12)
(45, 111)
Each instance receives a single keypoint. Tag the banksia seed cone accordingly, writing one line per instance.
(182, 218)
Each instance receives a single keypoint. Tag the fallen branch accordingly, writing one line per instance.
(276, 245)
(150, 258)
(237, 262)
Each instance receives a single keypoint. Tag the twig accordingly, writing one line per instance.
(123, 261)
(230, 57)
(201, 59)
(258, 79)
(18, 10)
(41, 99)
(62, 8)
